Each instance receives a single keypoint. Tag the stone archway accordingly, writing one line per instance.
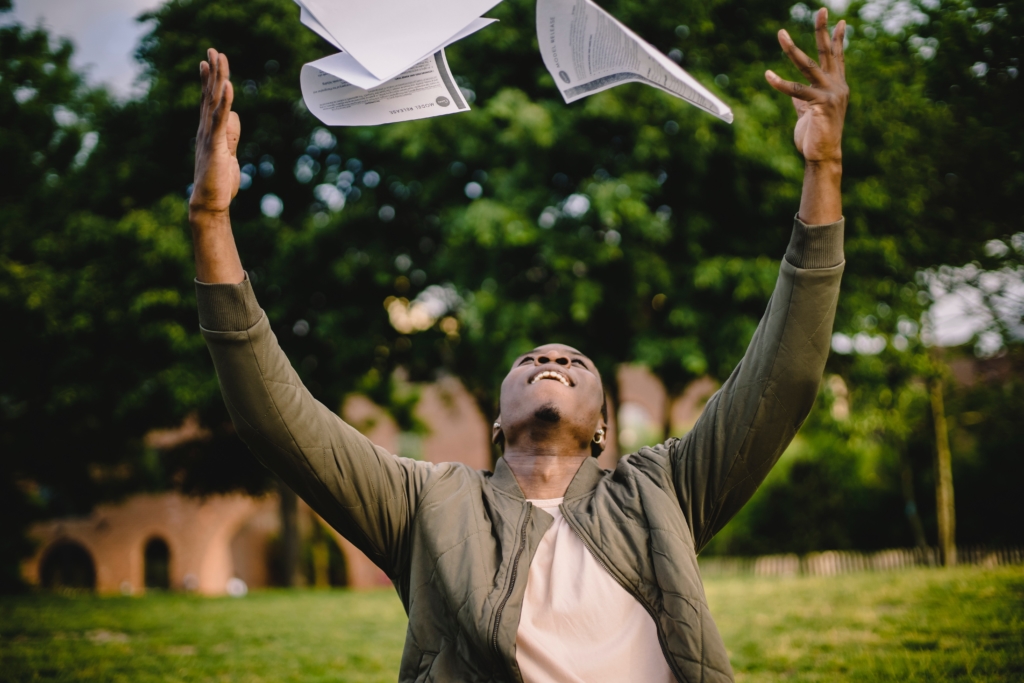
(196, 534)
(67, 564)
(156, 564)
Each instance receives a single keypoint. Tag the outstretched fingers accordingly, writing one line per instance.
(210, 97)
(219, 127)
(217, 98)
(211, 56)
(808, 67)
(823, 40)
(216, 80)
(221, 115)
(838, 38)
(798, 91)
(204, 109)
(204, 77)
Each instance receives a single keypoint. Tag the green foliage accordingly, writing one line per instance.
(985, 438)
(102, 344)
(916, 191)
(96, 353)
(918, 625)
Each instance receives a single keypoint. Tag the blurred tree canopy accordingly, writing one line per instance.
(629, 224)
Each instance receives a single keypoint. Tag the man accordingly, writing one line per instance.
(550, 569)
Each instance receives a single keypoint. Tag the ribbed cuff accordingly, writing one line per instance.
(816, 246)
(227, 308)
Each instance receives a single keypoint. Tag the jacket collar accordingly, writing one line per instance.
(585, 480)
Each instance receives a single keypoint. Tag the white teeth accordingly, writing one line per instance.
(551, 374)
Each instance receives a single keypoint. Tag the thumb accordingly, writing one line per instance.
(234, 132)
(799, 105)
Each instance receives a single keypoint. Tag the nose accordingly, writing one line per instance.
(552, 358)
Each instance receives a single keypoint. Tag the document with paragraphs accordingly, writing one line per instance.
(424, 90)
(587, 50)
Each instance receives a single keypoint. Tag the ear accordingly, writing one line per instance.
(497, 437)
(600, 439)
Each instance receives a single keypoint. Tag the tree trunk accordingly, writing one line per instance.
(910, 501)
(944, 507)
(290, 545)
(321, 563)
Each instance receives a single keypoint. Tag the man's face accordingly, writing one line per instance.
(553, 385)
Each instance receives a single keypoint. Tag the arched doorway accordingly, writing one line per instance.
(157, 564)
(68, 564)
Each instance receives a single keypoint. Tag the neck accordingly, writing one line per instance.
(541, 473)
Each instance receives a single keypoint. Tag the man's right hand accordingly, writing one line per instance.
(217, 176)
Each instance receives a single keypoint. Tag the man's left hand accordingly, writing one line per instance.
(820, 106)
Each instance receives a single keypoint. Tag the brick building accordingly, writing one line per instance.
(225, 544)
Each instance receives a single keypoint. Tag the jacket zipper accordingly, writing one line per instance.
(654, 617)
(512, 582)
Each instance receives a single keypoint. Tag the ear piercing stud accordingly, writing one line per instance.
(598, 436)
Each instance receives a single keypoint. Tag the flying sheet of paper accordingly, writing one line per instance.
(307, 19)
(344, 65)
(587, 50)
(427, 89)
(387, 36)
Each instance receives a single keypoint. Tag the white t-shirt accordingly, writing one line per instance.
(578, 624)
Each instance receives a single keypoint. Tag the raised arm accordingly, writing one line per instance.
(362, 490)
(748, 423)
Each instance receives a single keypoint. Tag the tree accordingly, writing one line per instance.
(102, 343)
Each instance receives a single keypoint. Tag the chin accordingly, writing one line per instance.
(549, 412)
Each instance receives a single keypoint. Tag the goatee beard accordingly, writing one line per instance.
(548, 413)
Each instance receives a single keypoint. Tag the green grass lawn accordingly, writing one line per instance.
(925, 625)
(963, 624)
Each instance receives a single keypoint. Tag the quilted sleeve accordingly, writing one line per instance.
(748, 423)
(366, 493)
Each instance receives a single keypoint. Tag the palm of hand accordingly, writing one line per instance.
(816, 135)
(218, 174)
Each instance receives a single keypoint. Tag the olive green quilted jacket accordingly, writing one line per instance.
(457, 542)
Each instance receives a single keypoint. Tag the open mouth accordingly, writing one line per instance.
(552, 374)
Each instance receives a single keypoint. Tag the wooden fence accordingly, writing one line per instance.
(833, 562)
